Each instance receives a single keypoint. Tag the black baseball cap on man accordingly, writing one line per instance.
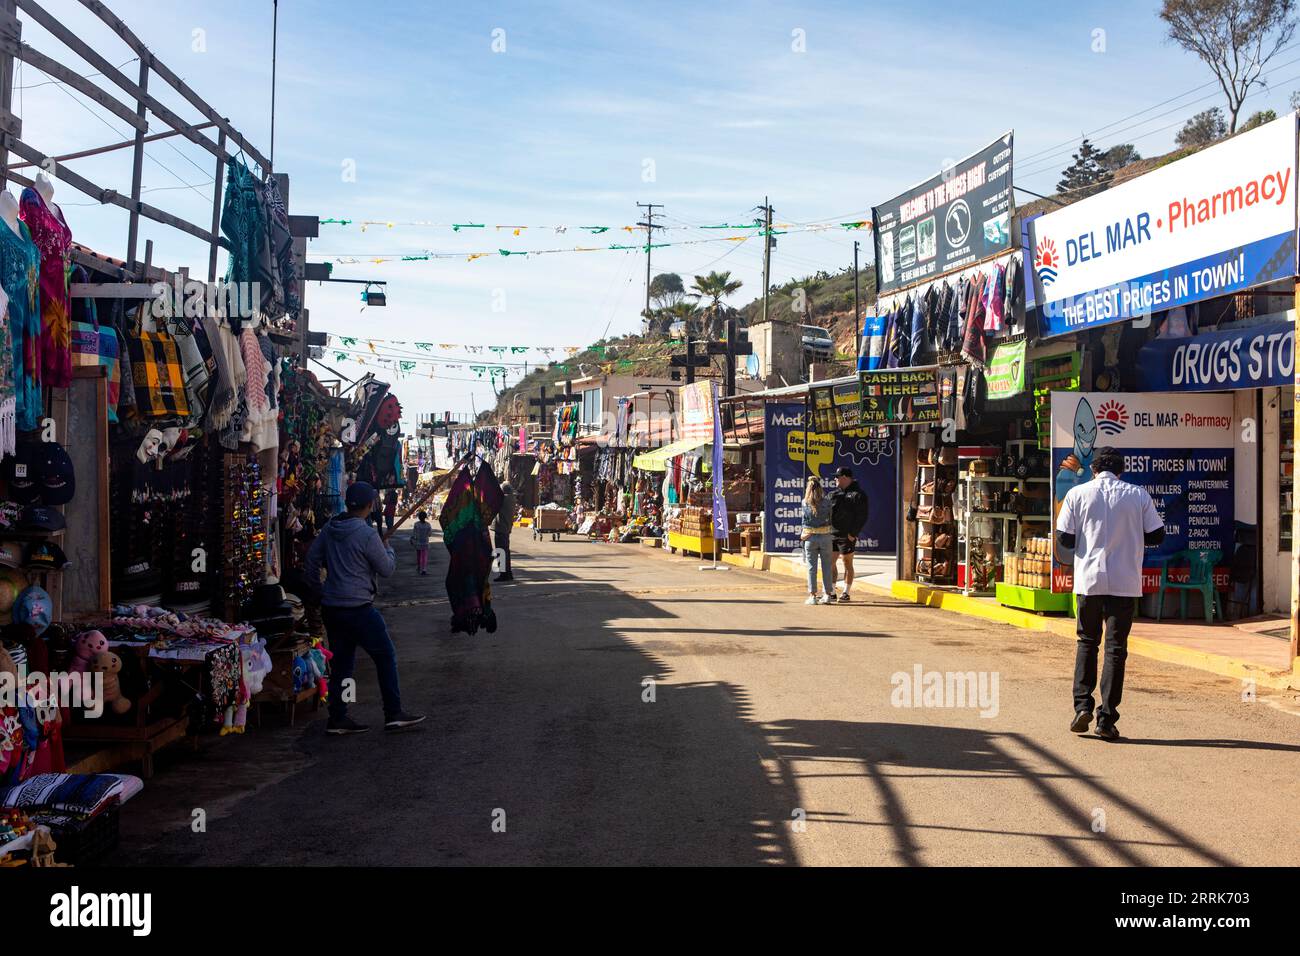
(360, 494)
(844, 472)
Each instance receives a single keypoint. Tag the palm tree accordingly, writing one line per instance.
(715, 286)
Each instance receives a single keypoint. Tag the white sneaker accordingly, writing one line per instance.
(827, 599)
(811, 600)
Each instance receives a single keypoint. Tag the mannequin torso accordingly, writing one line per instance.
(9, 211)
(46, 188)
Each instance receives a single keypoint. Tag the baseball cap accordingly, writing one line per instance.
(55, 474)
(41, 519)
(844, 473)
(22, 471)
(10, 555)
(45, 556)
(360, 493)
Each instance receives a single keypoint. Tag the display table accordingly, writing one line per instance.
(691, 544)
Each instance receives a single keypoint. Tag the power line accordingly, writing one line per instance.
(1122, 119)
(1044, 159)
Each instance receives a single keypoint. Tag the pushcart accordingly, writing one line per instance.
(552, 521)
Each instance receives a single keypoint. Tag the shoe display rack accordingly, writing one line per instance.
(936, 528)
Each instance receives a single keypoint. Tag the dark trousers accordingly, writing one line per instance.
(503, 542)
(349, 628)
(1116, 615)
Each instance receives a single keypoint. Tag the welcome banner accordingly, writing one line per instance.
(1216, 222)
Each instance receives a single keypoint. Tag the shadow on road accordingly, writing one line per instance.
(886, 752)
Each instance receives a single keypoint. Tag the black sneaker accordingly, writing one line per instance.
(403, 720)
(1080, 723)
(504, 577)
(1106, 732)
(345, 725)
(844, 598)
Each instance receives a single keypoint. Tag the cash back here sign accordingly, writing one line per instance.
(1213, 223)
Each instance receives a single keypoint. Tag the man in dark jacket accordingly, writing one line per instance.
(848, 516)
(352, 554)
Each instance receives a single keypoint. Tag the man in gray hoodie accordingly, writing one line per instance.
(351, 553)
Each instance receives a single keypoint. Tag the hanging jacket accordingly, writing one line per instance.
(993, 301)
(1014, 292)
(917, 339)
(972, 343)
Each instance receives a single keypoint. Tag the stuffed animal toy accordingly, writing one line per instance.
(302, 676)
(7, 665)
(319, 656)
(237, 713)
(109, 664)
(89, 645)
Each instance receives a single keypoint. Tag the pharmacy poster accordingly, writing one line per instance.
(1179, 447)
(1210, 224)
(871, 459)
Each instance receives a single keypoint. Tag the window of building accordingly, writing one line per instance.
(591, 407)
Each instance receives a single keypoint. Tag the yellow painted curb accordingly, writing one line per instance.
(1143, 646)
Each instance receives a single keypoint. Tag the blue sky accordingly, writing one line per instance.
(560, 128)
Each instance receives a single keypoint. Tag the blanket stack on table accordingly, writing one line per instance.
(472, 503)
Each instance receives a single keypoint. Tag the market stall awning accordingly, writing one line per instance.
(657, 460)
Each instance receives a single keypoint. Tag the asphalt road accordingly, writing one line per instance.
(633, 709)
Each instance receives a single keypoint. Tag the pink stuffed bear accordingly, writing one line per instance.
(88, 645)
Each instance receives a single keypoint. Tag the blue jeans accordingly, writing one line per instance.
(349, 628)
(815, 549)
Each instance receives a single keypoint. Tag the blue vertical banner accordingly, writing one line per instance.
(719, 479)
(872, 461)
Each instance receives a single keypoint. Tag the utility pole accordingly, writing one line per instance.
(275, 34)
(650, 228)
(857, 314)
(767, 251)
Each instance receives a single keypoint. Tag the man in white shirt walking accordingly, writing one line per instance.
(1106, 523)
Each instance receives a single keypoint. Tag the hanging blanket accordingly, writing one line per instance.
(472, 504)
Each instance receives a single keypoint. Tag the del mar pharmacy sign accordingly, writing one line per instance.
(1216, 222)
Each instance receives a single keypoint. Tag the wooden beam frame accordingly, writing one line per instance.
(106, 196)
(86, 52)
(53, 68)
(176, 83)
(99, 150)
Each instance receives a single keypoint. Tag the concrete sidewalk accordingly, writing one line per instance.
(1239, 650)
